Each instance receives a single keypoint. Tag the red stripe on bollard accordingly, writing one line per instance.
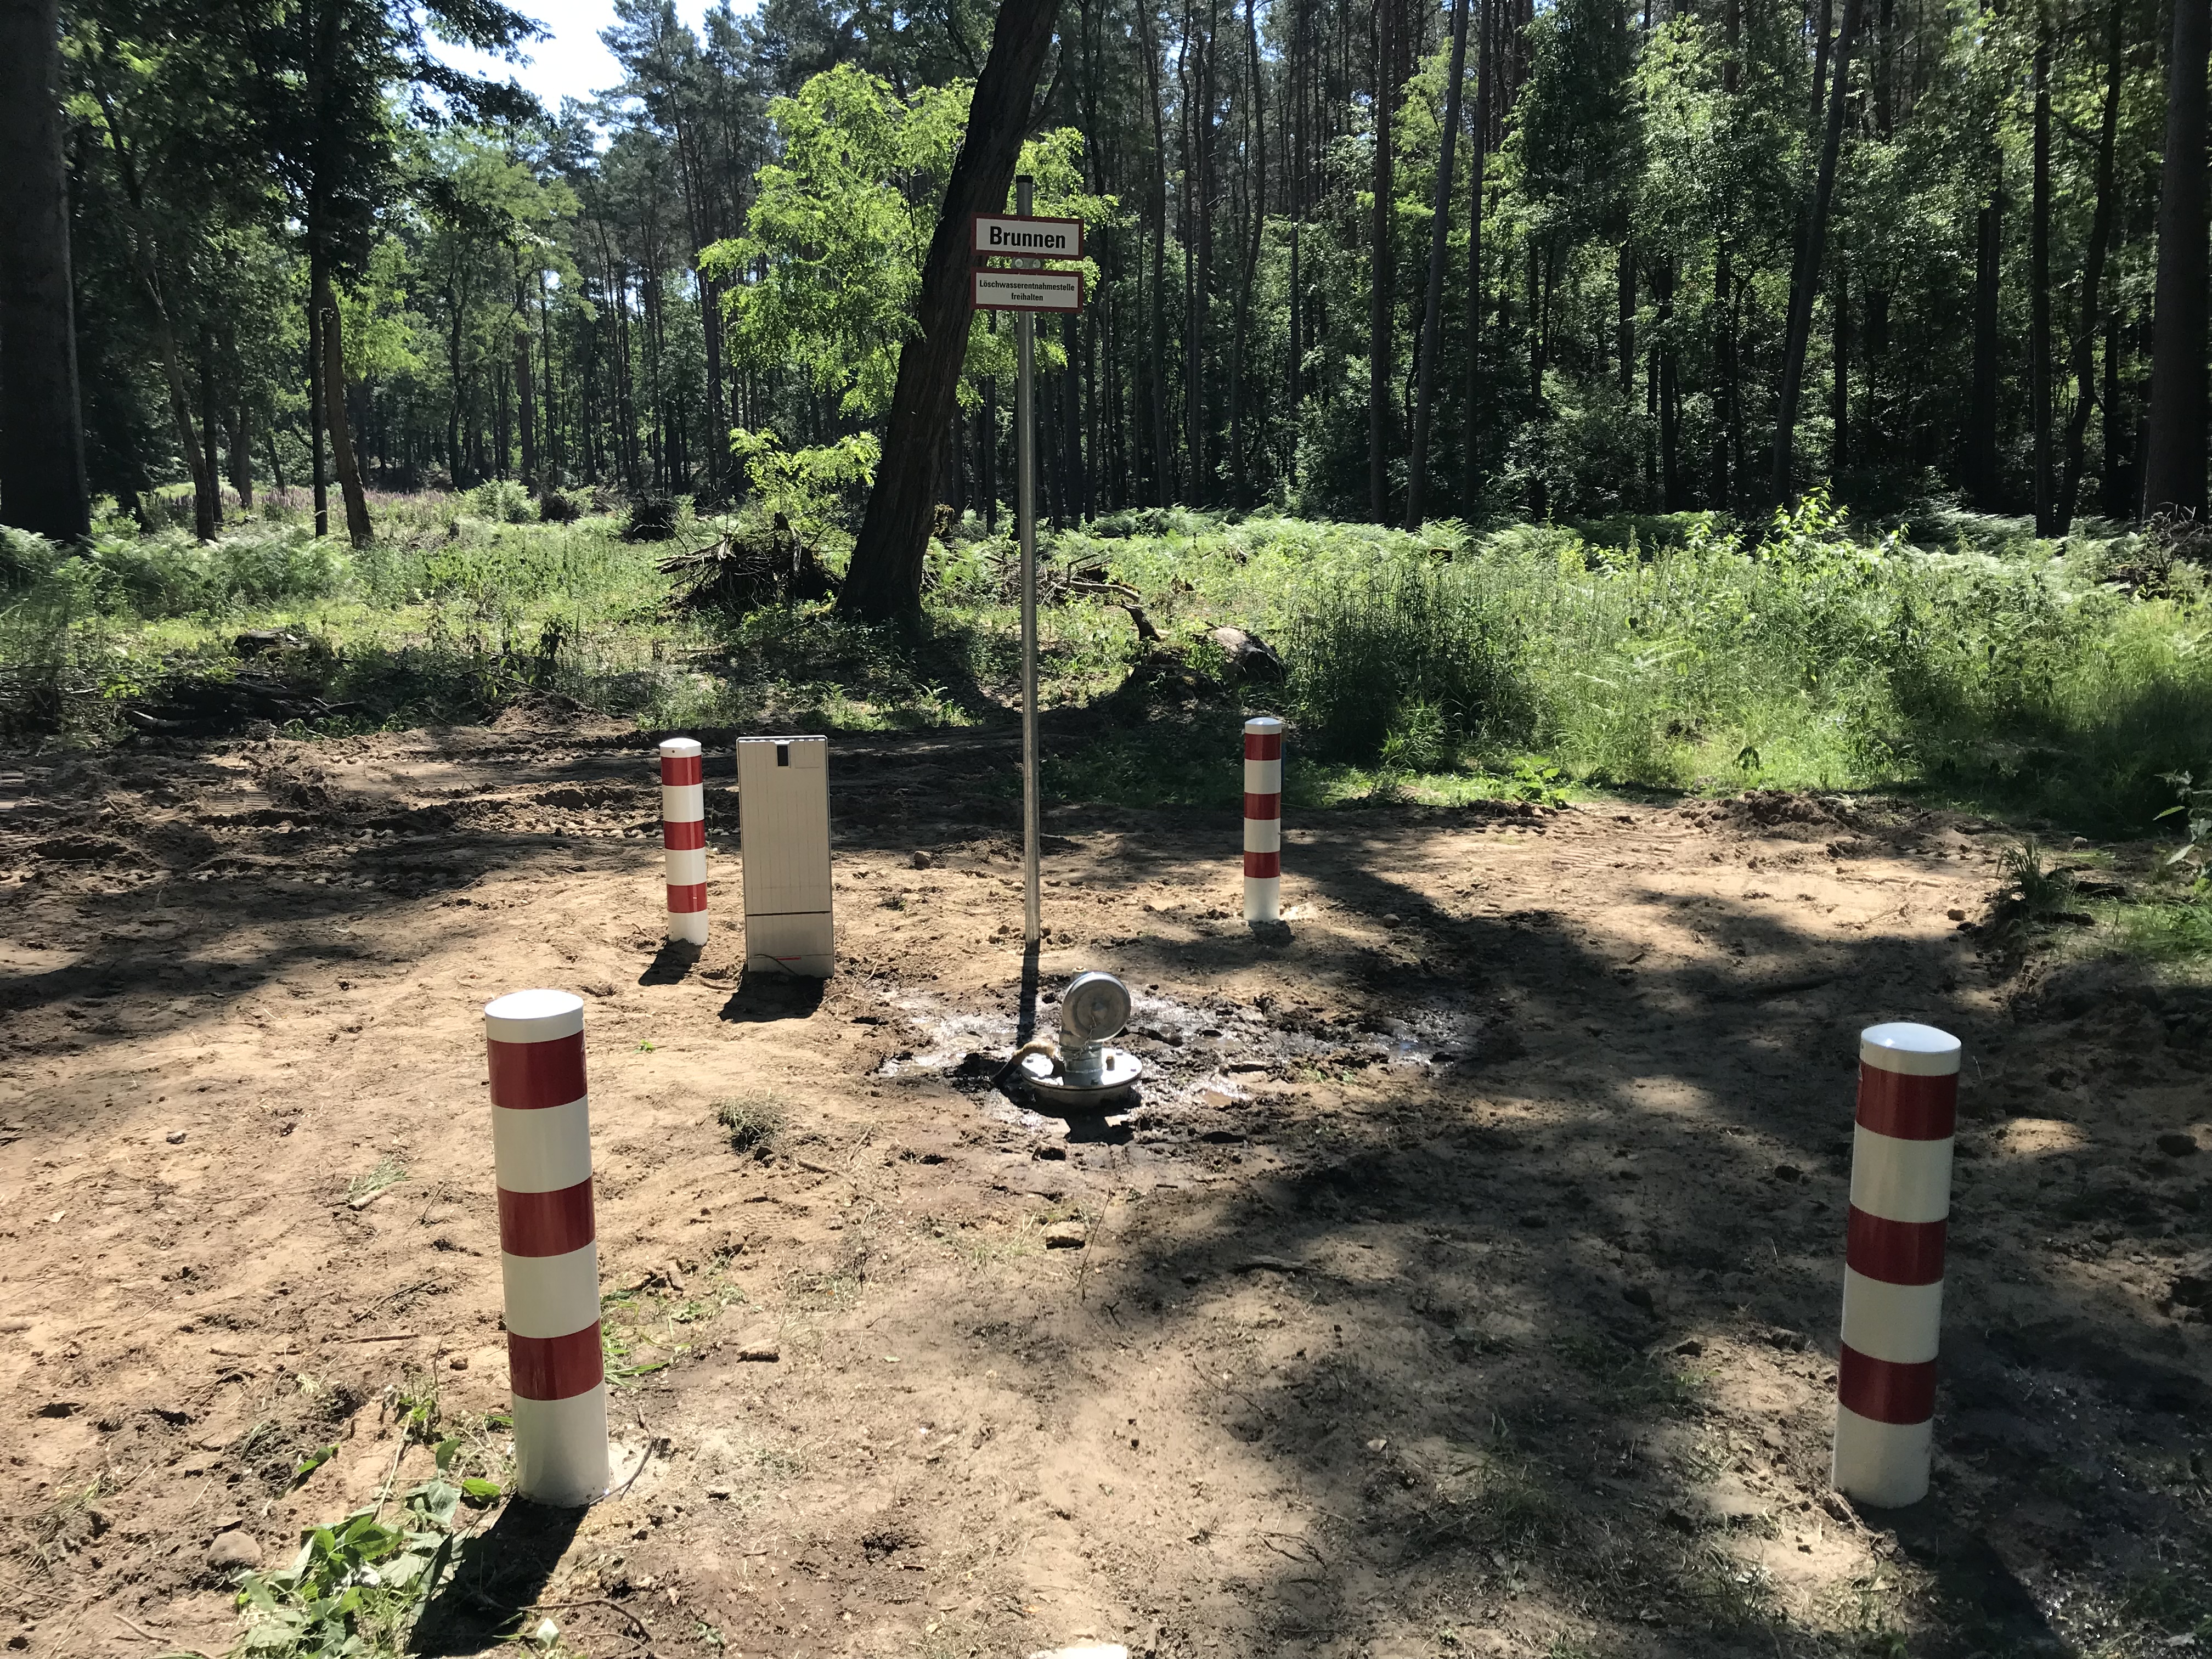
(676, 769)
(532, 1076)
(555, 1367)
(546, 1223)
(1906, 1107)
(683, 901)
(1894, 1252)
(684, 837)
(1263, 746)
(1263, 864)
(1883, 1391)
(1263, 806)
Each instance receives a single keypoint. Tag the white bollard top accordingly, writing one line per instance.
(534, 1017)
(1911, 1050)
(680, 746)
(1263, 726)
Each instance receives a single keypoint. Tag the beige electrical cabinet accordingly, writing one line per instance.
(783, 831)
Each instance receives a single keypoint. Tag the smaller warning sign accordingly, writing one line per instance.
(1027, 291)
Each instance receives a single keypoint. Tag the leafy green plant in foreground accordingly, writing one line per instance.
(357, 1585)
(2194, 809)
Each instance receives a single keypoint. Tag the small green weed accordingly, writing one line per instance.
(2032, 890)
(2194, 809)
(388, 1172)
(1537, 782)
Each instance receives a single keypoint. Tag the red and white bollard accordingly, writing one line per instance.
(683, 835)
(1263, 819)
(548, 1250)
(1893, 1262)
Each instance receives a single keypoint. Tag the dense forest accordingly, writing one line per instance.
(1366, 259)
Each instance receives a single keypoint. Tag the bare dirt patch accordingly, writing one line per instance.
(1465, 1281)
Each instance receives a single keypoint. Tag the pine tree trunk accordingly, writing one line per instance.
(884, 581)
(1156, 209)
(237, 419)
(1724, 370)
(2114, 472)
(2047, 501)
(1725, 410)
(42, 476)
(2173, 454)
(1980, 468)
(1433, 299)
(1625, 326)
(210, 467)
(987, 452)
(1805, 277)
(241, 453)
(180, 409)
(1485, 80)
(1380, 347)
(1670, 394)
(2093, 274)
(358, 528)
(525, 409)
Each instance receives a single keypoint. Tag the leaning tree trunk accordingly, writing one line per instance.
(42, 483)
(2173, 458)
(884, 581)
(1433, 302)
(1805, 279)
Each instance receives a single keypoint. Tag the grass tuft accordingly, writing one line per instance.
(755, 1123)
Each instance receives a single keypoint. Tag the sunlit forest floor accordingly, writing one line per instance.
(1466, 1278)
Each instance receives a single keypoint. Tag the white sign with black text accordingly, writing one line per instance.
(1027, 291)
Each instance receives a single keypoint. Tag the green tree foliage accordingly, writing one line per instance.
(840, 223)
(729, 237)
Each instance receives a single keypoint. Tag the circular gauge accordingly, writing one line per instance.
(1095, 1007)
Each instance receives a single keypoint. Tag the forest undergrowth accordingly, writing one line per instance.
(1952, 654)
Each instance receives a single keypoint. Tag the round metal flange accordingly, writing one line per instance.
(1052, 1088)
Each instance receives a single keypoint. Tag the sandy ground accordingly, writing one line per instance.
(1466, 1280)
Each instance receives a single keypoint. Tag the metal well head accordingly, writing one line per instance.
(1093, 1009)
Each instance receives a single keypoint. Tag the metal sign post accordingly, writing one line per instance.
(1028, 287)
(1025, 517)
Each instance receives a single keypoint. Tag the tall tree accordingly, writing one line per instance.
(42, 476)
(1805, 274)
(1381, 299)
(2039, 278)
(2173, 455)
(2093, 275)
(1485, 78)
(1433, 298)
(1978, 460)
(326, 71)
(884, 581)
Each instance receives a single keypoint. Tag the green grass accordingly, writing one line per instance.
(1977, 664)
